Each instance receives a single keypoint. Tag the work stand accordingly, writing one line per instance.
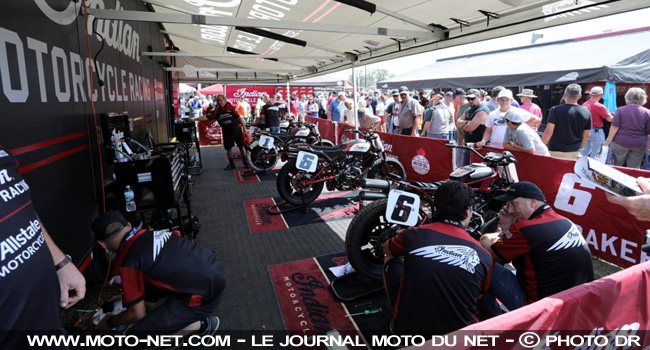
(274, 210)
(252, 172)
(353, 286)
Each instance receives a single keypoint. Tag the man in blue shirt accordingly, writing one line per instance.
(334, 110)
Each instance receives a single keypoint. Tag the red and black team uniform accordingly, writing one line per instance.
(29, 286)
(549, 253)
(445, 270)
(227, 117)
(148, 268)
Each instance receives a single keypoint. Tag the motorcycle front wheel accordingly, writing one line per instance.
(261, 159)
(362, 236)
(378, 171)
(291, 188)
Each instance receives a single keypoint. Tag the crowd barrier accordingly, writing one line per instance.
(610, 231)
(613, 308)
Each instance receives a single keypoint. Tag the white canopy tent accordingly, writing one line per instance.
(624, 56)
(283, 40)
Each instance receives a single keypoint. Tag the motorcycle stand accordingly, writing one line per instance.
(358, 287)
(274, 210)
(252, 172)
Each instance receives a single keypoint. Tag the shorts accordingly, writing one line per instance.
(232, 137)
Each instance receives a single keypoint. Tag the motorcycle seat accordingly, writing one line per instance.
(337, 147)
(284, 136)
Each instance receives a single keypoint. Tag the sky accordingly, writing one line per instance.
(628, 20)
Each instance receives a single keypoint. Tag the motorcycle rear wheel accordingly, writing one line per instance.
(261, 159)
(361, 237)
(288, 187)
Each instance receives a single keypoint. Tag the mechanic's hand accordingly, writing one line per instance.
(506, 219)
(479, 145)
(638, 206)
(72, 284)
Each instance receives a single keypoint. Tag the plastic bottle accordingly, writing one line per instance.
(129, 197)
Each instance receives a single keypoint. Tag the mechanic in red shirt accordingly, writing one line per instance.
(152, 265)
(547, 250)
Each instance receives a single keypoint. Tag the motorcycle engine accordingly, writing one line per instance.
(351, 172)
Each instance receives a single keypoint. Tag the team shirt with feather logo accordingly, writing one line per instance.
(156, 264)
(549, 253)
(445, 270)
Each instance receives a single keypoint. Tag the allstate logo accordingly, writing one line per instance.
(420, 164)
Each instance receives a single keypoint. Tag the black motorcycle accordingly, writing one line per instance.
(341, 167)
(268, 147)
(377, 222)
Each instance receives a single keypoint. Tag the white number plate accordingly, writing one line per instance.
(403, 208)
(307, 161)
(266, 141)
(302, 132)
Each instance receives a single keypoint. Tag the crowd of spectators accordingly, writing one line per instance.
(573, 128)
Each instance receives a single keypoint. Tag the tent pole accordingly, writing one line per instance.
(288, 98)
(355, 115)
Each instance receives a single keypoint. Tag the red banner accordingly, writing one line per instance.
(209, 133)
(326, 128)
(613, 309)
(250, 93)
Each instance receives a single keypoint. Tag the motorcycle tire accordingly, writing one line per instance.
(363, 233)
(377, 170)
(287, 185)
(261, 159)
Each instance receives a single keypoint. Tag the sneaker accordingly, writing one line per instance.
(213, 325)
(230, 166)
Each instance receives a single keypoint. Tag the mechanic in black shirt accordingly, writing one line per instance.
(159, 264)
(433, 290)
(232, 126)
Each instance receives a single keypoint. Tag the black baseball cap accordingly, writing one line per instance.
(459, 91)
(523, 189)
(101, 223)
(395, 92)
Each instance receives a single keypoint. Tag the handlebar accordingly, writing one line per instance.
(367, 135)
(505, 159)
(453, 145)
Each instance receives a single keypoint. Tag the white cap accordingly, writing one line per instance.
(505, 93)
(596, 90)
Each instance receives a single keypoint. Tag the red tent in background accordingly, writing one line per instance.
(211, 90)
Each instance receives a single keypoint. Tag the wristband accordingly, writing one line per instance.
(66, 260)
(609, 140)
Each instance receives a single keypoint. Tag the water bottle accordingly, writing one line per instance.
(129, 197)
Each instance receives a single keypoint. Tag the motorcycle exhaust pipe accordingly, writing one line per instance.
(371, 195)
(376, 184)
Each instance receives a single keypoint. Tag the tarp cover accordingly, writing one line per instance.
(624, 56)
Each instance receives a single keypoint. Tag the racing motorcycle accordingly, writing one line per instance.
(399, 204)
(268, 147)
(341, 167)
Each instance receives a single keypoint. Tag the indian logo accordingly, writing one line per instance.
(455, 255)
(420, 164)
(159, 240)
(572, 238)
